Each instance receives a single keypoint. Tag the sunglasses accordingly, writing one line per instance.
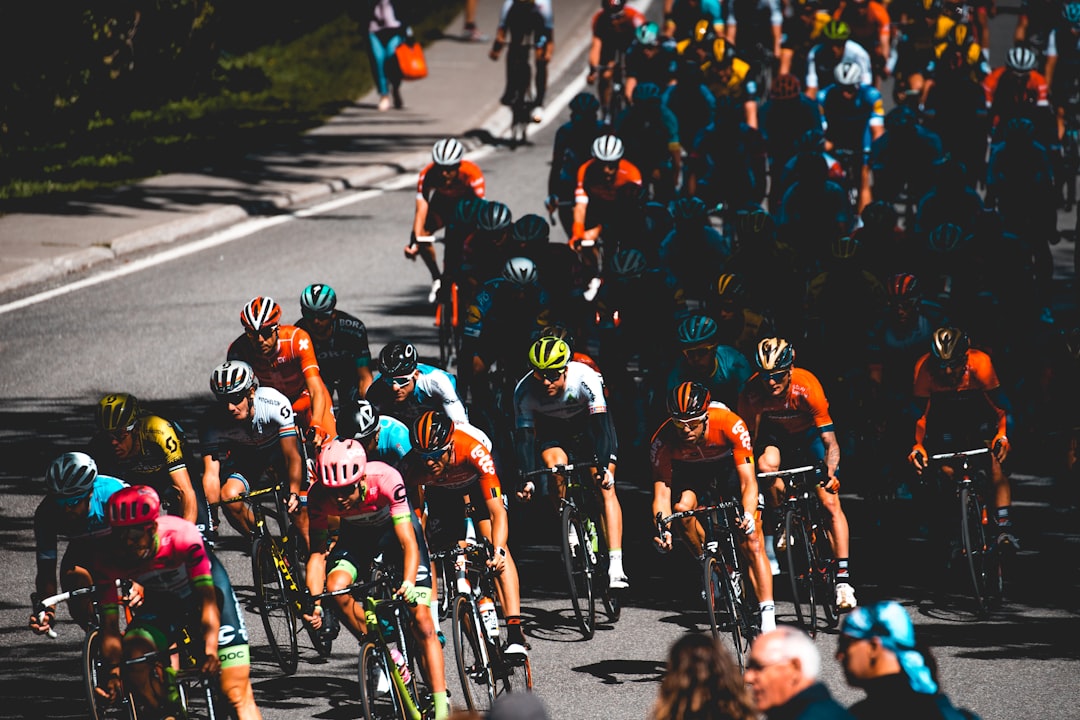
(692, 424)
(548, 376)
(135, 533)
(343, 492)
(72, 501)
(398, 382)
(700, 352)
(265, 332)
(777, 376)
(432, 454)
(234, 398)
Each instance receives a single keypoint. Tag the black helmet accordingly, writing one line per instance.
(531, 229)
(494, 217)
(397, 359)
(688, 401)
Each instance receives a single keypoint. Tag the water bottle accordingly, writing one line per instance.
(463, 587)
(487, 614)
(403, 669)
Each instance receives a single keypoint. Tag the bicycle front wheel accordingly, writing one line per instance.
(378, 695)
(800, 568)
(93, 674)
(473, 660)
(275, 608)
(723, 606)
(976, 549)
(825, 572)
(579, 570)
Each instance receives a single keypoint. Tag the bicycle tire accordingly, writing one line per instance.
(98, 707)
(800, 564)
(322, 642)
(579, 572)
(275, 606)
(373, 668)
(723, 606)
(973, 541)
(825, 572)
(471, 651)
(609, 597)
(202, 698)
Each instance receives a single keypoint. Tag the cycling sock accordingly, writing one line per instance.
(842, 569)
(768, 615)
(514, 632)
(442, 706)
(1003, 519)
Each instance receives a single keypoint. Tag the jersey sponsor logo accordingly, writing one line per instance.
(483, 459)
(739, 429)
(400, 493)
(304, 344)
(226, 634)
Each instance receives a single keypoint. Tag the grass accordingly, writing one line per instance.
(265, 96)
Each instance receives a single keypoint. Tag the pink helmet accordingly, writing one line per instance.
(135, 505)
(342, 463)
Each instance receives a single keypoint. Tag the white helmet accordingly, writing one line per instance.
(447, 151)
(231, 377)
(607, 148)
(71, 474)
(848, 73)
(1020, 59)
(520, 271)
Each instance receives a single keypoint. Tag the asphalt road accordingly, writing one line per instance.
(159, 330)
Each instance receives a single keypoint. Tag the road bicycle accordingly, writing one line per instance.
(728, 593)
(851, 163)
(519, 94)
(386, 666)
(448, 323)
(276, 572)
(479, 627)
(584, 544)
(807, 546)
(977, 543)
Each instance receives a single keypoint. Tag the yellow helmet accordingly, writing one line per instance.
(117, 412)
(549, 353)
(775, 354)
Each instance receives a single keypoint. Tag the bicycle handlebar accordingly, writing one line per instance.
(53, 600)
(962, 453)
(244, 496)
(786, 473)
(663, 522)
(558, 469)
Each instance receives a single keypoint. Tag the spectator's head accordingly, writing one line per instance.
(879, 640)
(518, 706)
(700, 677)
(782, 663)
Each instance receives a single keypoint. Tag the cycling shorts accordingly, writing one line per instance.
(712, 479)
(805, 448)
(446, 513)
(355, 550)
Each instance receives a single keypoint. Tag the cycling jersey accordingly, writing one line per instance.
(685, 17)
(573, 144)
(394, 443)
(500, 306)
(434, 389)
(783, 123)
(801, 408)
(470, 463)
(287, 368)
(755, 20)
(962, 405)
(50, 521)
(658, 68)
(848, 120)
(157, 449)
(527, 22)
(385, 501)
(255, 440)
(820, 64)
(582, 395)
(731, 80)
(468, 182)
(1041, 17)
(591, 186)
(725, 381)
(343, 352)
(799, 34)
(616, 32)
(725, 440)
(869, 23)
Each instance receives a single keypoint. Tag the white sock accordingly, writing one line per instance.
(768, 616)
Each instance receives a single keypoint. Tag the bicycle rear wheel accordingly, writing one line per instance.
(278, 616)
(800, 568)
(473, 661)
(825, 572)
(579, 570)
(984, 572)
(378, 695)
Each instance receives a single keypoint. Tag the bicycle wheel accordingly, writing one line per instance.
(473, 661)
(323, 638)
(610, 598)
(579, 570)
(100, 709)
(278, 615)
(825, 572)
(976, 551)
(800, 564)
(202, 698)
(378, 695)
(723, 606)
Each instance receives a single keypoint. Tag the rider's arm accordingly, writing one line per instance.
(748, 487)
(45, 544)
(832, 451)
(603, 432)
(294, 462)
(594, 57)
(410, 548)
(181, 482)
(210, 618)
(211, 479)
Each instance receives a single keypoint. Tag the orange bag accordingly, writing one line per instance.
(410, 58)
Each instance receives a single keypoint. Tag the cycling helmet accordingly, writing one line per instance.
(950, 345)
(584, 104)
(785, 87)
(494, 217)
(135, 505)
(260, 312)
(648, 34)
(117, 412)
(1021, 59)
(696, 331)
(361, 423)
(531, 229)
(398, 359)
(729, 286)
(447, 151)
(232, 377)
(607, 148)
(703, 31)
(341, 463)
(1071, 13)
(774, 354)
(688, 401)
(1019, 128)
(836, 31)
(629, 262)
(723, 52)
(71, 474)
(613, 6)
(549, 353)
(432, 431)
(879, 215)
(903, 287)
(560, 331)
(946, 237)
(689, 209)
(754, 220)
(318, 300)
(647, 93)
(465, 210)
(520, 270)
(848, 74)
(844, 248)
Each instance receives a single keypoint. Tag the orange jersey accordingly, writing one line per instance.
(802, 407)
(468, 181)
(1036, 87)
(726, 436)
(470, 461)
(287, 369)
(590, 182)
(869, 29)
(978, 376)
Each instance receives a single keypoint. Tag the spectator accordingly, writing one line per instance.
(701, 682)
(472, 33)
(782, 670)
(518, 706)
(386, 29)
(879, 654)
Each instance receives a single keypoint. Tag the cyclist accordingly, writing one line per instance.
(694, 249)
(525, 24)
(177, 583)
(690, 99)
(442, 182)
(836, 47)
(737, 324)
(409, 387)
(728, 75)
(599, 180)
(704, 449)
(613, 30)
(756, 27)
(727, 163)
(854, 116)
(650, 58)
(146, 449)
(870, 27)
(1034, 21)
(1063, 61)
(721, 369)
(650, 135)
(73, 507)
(283, 358)
(370, 500)
(488, 248)
(963, 405)
(783, 119)
(384, 438)
(340, 340)
(250, 429)
(681, 17)
(787, 413)
(572, 148)
(450, 468)
(560, 408)
(903, 158)
(799, 34)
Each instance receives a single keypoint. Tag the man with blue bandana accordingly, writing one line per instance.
(879, 654)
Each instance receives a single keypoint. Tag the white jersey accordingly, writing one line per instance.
(272, 418)
(583, 392)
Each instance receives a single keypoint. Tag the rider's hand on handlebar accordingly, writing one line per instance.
(111, 688)
(315, 618)
(211, 663)
(832, 485)
(136, 595)
(918, 458)
(498, 560)
(747, 524)
(408, 591)
(42, 625)
(1000, 448)
(412, 250)
(663, 543)
(526, 492)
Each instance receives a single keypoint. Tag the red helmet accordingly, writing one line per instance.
(135, 505)
(342, 463)
(260, 312)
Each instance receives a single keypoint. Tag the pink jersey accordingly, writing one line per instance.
(384, 500)
(178, 567)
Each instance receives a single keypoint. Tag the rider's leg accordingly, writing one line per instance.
(236, 685)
